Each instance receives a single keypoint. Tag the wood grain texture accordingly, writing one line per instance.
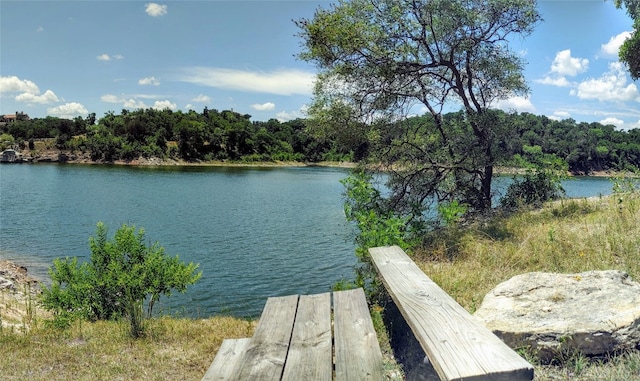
(310, 356)
(230, 352)
(266, 353)
(358, 355)
(458, 346)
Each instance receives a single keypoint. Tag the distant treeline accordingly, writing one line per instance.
(208, 136)
(230, 136)
(525, 138)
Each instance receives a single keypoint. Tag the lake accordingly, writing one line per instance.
(256, 232)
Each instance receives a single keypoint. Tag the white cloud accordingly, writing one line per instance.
(161, 105)
(284, 116)
(12, 84)
(127, 103)
(612, 47)
(201, 99)
(149, 81)
(564, 64)
(263, 107)
(557, 81)
(48, 97)
(559, 115)
(106, 57)
(611, 120)
(611, 86)
(189, 106)
(40, 29)
(133, 104)
(634, 125)
(155, 10)
(517, 103)
(280, 82)
(29, 91)
(68, 110)
(110, 98)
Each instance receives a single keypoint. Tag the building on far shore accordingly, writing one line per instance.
(10, 118)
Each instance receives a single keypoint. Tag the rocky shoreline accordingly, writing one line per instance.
(68, 157)
(18, 297)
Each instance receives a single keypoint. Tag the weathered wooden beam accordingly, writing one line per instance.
(310, 354)
(266, 353)
(458, 346)
(358, 355)
(229, 354)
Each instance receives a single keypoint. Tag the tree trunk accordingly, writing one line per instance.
(486, 187)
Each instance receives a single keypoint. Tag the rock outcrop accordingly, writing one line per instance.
(19, 295)
(595, 313)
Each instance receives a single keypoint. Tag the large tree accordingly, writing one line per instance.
(381, 60)
(630, 49)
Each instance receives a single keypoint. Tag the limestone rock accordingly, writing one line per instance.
(595, 313)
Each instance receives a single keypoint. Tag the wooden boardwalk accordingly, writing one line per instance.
(458, 346)
(296, 340)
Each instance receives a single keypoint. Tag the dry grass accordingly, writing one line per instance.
(174, 349)
(567, 237)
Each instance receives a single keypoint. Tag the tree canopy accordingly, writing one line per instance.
(630, 50)
(383, 59)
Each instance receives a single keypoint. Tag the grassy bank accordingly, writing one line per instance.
(174, 349)
(567, 236)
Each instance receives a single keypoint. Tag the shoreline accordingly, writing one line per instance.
(62, 157)
(49, 154)
(19, 294)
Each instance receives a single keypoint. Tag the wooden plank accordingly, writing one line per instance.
(358, 355)
(230, 352)
(458, 346)
(266, 353)
(310, 356)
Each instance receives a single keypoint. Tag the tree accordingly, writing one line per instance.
(121, 275)
(6, 141)
(191, 135)
(379, 59)
(630, 50)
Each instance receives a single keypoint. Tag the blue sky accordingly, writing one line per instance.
(70, 58)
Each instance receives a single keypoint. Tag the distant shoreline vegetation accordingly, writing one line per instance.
(212, 137)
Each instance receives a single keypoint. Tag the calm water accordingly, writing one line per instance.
(256, 232)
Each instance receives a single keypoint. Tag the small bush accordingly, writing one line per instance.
(533, 189)
(121, 275)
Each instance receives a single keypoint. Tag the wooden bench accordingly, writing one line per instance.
(296, 340)
(458, 346)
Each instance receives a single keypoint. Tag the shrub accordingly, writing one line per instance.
(377, 226)
(121, 275)
(533, 189)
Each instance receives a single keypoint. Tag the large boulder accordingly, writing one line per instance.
(594, 313)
